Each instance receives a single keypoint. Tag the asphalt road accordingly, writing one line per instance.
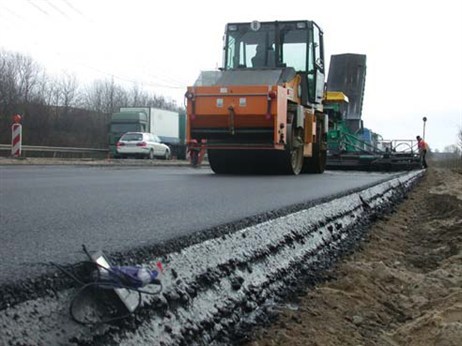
(47, 212)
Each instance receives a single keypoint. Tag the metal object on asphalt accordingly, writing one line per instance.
(129, 298)
(91, 304)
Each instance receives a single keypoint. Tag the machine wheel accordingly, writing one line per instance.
(218, 162)
(294, 154)
(317, 163)
(237, 161)
(289, 161)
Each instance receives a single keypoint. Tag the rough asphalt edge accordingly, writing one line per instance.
(53, 281)
(218, 325)
(232, 324)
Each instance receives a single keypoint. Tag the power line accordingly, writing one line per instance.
(57, 9)
(12, 12)
(51, 6)
(74, 8)
(66, 9)
(38, 7)
(168, 79)
(154, 85)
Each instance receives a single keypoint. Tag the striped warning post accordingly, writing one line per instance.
(16, 140)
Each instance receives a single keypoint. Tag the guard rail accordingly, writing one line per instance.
(55, 151)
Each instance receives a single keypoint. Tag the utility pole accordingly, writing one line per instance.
(424, 121)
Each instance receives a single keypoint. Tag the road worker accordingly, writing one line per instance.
(422, 146)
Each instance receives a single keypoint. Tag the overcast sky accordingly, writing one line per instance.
(413, 48)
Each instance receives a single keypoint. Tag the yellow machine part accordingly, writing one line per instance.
(335, 96)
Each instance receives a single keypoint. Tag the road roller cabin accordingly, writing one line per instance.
(262, 112)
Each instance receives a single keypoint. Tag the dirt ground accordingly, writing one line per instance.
(403, 287)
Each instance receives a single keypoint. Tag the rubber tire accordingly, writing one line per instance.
(317, 163)
(167, 155)
(294, 156)
(218, 162)
(234, 162)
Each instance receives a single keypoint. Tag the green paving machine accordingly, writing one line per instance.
(349, 144)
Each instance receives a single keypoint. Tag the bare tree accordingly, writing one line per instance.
(52, 92)
(115, 96)
(28, 76)
(57, 111)
(21, 81)
(137, 97)
(44, 89)
(93, 97)
(68, 91)
(9, 94)
(102, 96)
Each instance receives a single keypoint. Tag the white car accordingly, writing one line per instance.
(142, 144)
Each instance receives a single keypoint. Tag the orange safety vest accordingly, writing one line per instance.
(422, 145)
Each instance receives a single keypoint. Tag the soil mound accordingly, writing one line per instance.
(403, 288)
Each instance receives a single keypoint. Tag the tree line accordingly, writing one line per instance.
(58, 111)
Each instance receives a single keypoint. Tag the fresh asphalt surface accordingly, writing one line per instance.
(48, 212)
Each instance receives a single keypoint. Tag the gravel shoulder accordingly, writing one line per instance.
(402, 287)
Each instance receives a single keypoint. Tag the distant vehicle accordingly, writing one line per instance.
(168, 125)
(142, 144)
